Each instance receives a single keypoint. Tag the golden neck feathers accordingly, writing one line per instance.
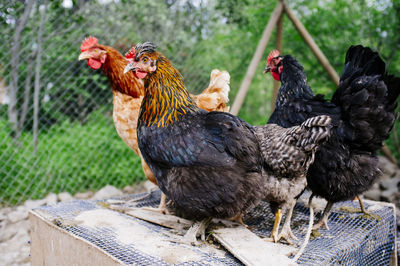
(166, 99)
(113, 68)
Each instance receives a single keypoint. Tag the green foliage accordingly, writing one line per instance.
(334, 25)
(78, 147)
(70, 157)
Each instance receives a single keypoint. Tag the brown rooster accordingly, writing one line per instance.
(128, 94)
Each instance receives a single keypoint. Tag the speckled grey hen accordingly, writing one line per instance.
(288, 153)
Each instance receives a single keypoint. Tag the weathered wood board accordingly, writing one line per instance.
(252, 250)
(237, 239)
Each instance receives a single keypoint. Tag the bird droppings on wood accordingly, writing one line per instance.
(315, 234)
(299, 223)
(66, 223)
(104, 204)
(133, 232)
(368, 216)
(349, 209)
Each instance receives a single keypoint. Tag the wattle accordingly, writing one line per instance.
(140, 74)
(93, 63)
(275, 75)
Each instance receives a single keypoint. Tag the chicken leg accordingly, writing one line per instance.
(239, 219)
(197, 228)
(163, 204)
(286, 232)
(162, 208)
(363, 210)
(275, 228)
(323, 222)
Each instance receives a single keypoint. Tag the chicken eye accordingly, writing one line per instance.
(145, 60)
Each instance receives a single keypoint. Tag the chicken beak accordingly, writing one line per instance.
(85, 55)
(267, 69)
(129, 67)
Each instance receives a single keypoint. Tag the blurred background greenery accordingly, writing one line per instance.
(58, 133)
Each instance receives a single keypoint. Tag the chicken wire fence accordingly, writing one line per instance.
(56, 125)
(56, 130)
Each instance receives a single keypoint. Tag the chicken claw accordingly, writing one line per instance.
(363, 210)
(275, 228)
(286, 232)
(323, 222)
(197, 228)
(239, 219)
(134, 200)
(162, 208)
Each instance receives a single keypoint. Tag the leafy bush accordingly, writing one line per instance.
(70, 157)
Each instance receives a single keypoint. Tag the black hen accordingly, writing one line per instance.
(362, 111)
(211, 164)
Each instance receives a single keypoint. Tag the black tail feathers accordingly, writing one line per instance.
(393, 87)
(362, 60)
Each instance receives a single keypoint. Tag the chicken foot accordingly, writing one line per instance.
(309, 230)
(148, 194)
(239, 219)
(286, 232)
(162, 208)
(363, 210)
(197, 229)
(116, 204)
(323, 222)
(275, 228)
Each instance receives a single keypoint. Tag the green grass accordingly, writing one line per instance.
(70, 157)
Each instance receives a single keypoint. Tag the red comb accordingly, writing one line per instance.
(131, 53)
(88, 42)
(272, 54)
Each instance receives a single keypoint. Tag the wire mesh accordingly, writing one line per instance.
(56, 129)
(353, 238)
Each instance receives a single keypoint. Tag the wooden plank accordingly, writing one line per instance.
(252, 250)
(311, 43)
(256, 59)
(166, 220)
(237, 239)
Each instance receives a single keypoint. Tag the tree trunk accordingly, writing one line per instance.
(37, 78)
(27, 96)
(237, 104)
(311, 43)
(15, 50)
